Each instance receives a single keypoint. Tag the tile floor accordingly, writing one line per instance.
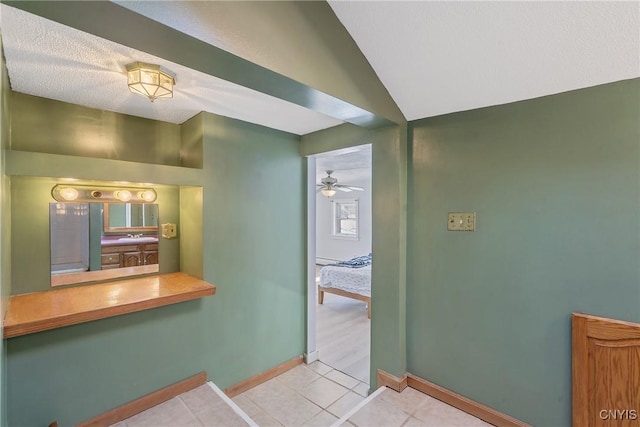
(308, 395)
(410, 408)
(195, 408)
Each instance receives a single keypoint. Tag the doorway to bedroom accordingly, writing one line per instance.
(342, 260)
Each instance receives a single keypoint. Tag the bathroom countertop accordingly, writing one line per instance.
(42, 311)
(124, 240)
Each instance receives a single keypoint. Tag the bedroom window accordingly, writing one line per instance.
(345, 219)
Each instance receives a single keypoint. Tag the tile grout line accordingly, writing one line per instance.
(320, 376)
(328, 379)
(233, 405)
(184, 404)
(359, 406)
(311, 401)
(352, 389)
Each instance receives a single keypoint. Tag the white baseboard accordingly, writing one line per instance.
(311, 357)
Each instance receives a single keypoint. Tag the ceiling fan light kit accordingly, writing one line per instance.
(330, 185)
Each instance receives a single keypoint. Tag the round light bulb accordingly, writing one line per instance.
(68, 193)
(123, 195)
(328, 192)
(147, 195)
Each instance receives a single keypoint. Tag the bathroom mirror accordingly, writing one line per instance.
(101, 241)
(123, 217)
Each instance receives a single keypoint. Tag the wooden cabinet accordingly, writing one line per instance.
(129, 255)
(132, 259)
(150, 256)
(605, 374)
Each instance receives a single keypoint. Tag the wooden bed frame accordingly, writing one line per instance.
(342, 293)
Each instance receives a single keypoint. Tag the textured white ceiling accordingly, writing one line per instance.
(437, 57)
(433, 57)
(54, 61)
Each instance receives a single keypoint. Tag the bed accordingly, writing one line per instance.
(351, 279)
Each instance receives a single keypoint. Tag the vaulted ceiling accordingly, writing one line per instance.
(431, 57)
(438, 57)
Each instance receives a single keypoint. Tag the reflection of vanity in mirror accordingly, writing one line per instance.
(100, 241)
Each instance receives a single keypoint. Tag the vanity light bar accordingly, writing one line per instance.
(82, 193)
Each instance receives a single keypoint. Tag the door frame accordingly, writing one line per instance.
(311, 351)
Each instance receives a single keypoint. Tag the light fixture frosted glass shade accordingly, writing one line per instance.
(328, 192)
(68, 193)
(147, 195)
(150, 80)
(88, 193)
(123, 195)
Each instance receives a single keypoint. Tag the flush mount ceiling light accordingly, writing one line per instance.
(150, 80)
(84, 193)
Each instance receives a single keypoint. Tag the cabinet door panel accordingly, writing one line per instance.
(131, 259)
(606, 372)
(150, 258)
(110, 260)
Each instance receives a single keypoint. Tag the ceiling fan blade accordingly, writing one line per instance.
(351, 187)
(342, 188)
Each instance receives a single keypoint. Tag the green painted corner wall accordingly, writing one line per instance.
(47, 126)
(555, 183)
(74, 373)
(309, 44)
(5, 225)
(250, 202)
(190, 231)
(191, 135)
(389, 247)
(389, 244)
(253, 233)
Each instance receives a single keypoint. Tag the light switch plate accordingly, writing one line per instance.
(461, 221)
(168, 230)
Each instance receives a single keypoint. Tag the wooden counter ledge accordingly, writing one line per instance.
(42, 311)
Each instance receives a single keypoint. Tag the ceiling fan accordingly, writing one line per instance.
(330, 185)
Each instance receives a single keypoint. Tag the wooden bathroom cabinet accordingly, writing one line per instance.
(129, 255)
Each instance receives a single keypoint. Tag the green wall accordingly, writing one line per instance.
(47, 126)
(555, 183)
(389, 243)
(389, 246)
(253, 233)
(74, 373)
(250, 200)
(190, 231)
(5, 225)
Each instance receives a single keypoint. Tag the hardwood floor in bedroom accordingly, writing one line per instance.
(344, 335)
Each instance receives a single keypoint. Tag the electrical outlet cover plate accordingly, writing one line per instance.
(168, 230)
(461, 221)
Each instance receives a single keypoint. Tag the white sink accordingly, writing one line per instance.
(137, 239)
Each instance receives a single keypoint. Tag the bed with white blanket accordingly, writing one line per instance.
(351, 279)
